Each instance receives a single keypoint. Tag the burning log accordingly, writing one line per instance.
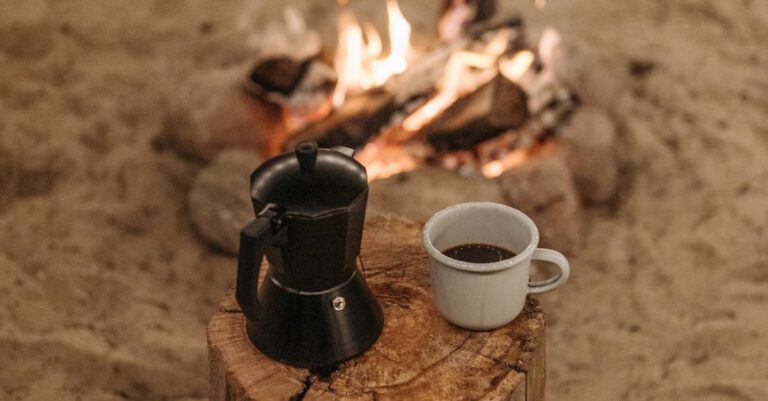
(280, 74)
(495, 107)
(362, 115)
(422, 77)
(352, 124)
(300, 88)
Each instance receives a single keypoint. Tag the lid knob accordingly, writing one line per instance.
(306, 153)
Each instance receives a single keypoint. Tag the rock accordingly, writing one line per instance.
(420, 193)
(543, 189)
(211, 112)
(495, 107)
(219, 202)
(588, 143)
(595, 78)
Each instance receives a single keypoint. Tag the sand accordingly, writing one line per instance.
(105, 288)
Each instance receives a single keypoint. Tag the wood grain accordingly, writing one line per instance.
(419, 355)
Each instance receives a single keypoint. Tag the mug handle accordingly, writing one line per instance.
(548, 255)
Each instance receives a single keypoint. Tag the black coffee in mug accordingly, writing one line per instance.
(478, 253)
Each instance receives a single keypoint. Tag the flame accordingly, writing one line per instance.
(374, 45)
(348, 60)
(358, 61)
(399, 42)
(515, 158)
(514, 68)
(360, 64)
(540, 3)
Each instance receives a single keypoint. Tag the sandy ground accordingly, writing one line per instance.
(105, 289)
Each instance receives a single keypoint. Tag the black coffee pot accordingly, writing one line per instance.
(314, 307)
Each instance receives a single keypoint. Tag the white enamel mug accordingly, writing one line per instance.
(484, 296)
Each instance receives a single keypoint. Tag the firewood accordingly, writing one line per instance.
(495, 107)
(363, 114)
(352, 124)
(419, 355)
(422, 76)
(280, 74)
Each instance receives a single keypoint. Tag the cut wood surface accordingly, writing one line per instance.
(419, 355)
(497, 106)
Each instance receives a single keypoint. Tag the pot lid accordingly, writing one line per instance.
(309, 181)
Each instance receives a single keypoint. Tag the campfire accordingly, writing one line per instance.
(481, 99)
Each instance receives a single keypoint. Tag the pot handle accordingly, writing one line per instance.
(254, 240)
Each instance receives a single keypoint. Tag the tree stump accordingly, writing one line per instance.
(419, 355)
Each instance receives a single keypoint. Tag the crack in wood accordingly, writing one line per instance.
(426, 368)
(417, 359)
(304, 390)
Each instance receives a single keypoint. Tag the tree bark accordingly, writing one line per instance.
(419, 355)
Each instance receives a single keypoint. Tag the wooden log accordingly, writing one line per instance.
(495, 107)
(424, 74)
(359, 118)
(419, 355)
(364, 114)
(279, 74)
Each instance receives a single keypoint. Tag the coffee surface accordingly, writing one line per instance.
(478, 253)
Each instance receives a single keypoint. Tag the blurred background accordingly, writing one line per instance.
(125, 147)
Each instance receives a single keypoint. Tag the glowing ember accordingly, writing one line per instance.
(429, 111)
(513, 159)
(514, 68)
(358, 61)
(382, 160)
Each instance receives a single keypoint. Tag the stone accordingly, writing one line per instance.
(596, 78)
(420, 193)
(543, 189)
(211, 111)
(588, 143)
(219, 201)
